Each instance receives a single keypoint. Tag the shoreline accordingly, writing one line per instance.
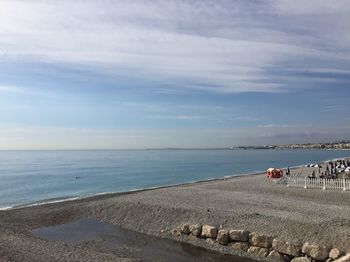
(247, 202)
(94, 196)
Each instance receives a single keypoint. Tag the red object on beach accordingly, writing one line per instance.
(274, 173)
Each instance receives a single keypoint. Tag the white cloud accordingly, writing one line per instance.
(200, 45)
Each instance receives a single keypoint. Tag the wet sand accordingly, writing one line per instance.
(248, 202)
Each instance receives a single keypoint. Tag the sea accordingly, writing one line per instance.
(37, 177)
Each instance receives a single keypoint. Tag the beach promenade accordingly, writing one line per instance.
(251, 203)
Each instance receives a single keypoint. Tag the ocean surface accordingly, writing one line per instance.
(34, 177)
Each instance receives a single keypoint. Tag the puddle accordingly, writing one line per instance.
(129, 243)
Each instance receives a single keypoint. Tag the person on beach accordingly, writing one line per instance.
(313, 175)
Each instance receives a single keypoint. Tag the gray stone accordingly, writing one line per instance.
(176, 232)
(239, 235)
(210, 241)
(185, 229)
(275, 256)
(244, 246)
(209, 231)
(314, 251)
(335, 253)
(288, 248)
(196, 229)
(300, 259)
(258, 251)
(260, 240)
(222, 237)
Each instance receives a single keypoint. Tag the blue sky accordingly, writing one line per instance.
(139, 74)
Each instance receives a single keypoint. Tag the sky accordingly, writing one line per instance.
(108, 74)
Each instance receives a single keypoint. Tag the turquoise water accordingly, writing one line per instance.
(38, 176)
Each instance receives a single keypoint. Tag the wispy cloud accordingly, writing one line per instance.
(332, 108)
(216, 46)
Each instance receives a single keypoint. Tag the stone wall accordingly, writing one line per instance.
(263, 245)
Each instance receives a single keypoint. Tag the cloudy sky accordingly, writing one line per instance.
(176, 73)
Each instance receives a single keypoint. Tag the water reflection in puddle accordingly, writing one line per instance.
(129, 243)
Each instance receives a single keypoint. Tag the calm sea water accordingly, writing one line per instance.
(38, 176)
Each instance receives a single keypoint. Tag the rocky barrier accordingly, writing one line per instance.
(262, 245)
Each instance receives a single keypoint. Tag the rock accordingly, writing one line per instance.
(260, 240)
(210, 241)
(335, 253)
(239, 235)
(275, 256)
(176, 232)
(315, 251)
(185, 229)
(258, 251)
(222, 237)
(209, 231)
(345, 258)
(300, 259)
(196, 229)
(287, 258)
(244, 246)
(288, 248)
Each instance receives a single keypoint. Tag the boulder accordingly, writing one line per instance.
(314, 251)
(239, 235)
(209, 231)
(260, 240)
(196, 229)
(275, 256)
(244, 246)
(258, 251)
(300, 259)
(335, 253)
(222, 237)
(185, 229)
(345, 258)
(288, 248)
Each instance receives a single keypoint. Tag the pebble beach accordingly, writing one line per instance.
(252, 203)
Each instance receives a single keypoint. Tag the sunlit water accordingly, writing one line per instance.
(35, 176)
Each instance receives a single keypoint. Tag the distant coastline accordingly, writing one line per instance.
(342, 145)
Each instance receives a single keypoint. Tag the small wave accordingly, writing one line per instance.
(5, 208)
(48, 201)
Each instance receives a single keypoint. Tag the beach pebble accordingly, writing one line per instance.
(176, 232)
(196, 229)
(239, 235)
(210, 241)
(209, 231)
(335, 253)
(300, 259)
(292, 248)
(260, 240)
(222, 237)
(317, 252)
(244, 246)
(276, 256)
(258, 251)
(185, 229)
